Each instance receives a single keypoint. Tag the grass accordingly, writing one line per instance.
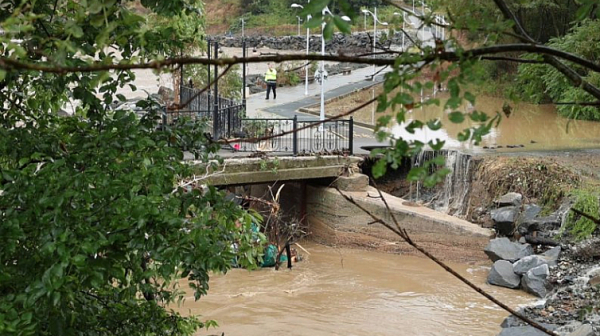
(586, 201)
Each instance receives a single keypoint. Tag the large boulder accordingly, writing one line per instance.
(551, 256)
(523, 265)
(502, 274)
(534, 281)
(504, 249)
(505, 219)
(510, 199)
(527, 223)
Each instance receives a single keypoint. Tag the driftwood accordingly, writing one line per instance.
(540, 241)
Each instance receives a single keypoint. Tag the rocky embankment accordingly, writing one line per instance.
(355, 43)
(564, 274)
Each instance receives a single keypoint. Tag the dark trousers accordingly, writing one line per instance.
(271, 86)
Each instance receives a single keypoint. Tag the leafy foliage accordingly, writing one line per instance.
(96, 233)
(542, 83)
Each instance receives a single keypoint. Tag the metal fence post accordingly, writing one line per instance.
(295, 135)
(229, 121)
(351, 136)
(216, 93)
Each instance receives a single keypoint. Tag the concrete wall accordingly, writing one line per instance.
(335, 221)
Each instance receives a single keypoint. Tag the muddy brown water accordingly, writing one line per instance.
(535, 127)
(352, 292)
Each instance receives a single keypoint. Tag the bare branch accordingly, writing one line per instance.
(590, 217)
(187, 102)
(511, 59)
(10, 64)
(596, 103)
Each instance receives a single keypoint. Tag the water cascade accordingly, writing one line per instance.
(452, 196)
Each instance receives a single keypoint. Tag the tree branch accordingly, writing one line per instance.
(590, 217)
(10, 64)
(207, 87)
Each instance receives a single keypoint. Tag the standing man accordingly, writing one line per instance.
(271, 79)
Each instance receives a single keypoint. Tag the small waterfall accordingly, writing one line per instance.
(452, 197)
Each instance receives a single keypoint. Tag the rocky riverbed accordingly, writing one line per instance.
(572, 304)
(564, 273)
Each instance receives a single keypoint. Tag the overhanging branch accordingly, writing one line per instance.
(12, 64)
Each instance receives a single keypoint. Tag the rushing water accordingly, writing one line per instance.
(352, 292)
(535, 127)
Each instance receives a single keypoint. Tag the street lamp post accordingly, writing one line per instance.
(403, 27)
(308, 17)
(375, 21)
(325, 11)
(243, 22)
(299, 21)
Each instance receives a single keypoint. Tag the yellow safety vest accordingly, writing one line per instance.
(271, 75)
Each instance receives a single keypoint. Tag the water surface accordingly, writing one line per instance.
(353, 292)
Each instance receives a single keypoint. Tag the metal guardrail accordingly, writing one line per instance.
(229, 112)
(332, 137)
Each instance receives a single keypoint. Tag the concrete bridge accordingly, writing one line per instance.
(240, 171)
(308, 195)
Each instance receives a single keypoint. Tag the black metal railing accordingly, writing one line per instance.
(299, 137)
(228, 112)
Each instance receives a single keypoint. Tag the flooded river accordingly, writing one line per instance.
(352, 292)
(530, 127)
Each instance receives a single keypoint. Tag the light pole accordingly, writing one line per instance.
(243, 22)
(375, 21)
(295, 5)
(403, 27)
(325, 11)
(299, 21)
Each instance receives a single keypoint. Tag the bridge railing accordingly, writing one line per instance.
(300, 137)
(229, 112)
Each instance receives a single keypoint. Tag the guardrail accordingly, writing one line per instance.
(301, 137)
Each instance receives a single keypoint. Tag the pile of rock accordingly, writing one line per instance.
(572, 307)
(511, 218)
(516, 265)
(359, 42)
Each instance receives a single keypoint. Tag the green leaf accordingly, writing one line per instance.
(313, 7)
(379, 168)
(470, 97)
(434, 125)
(328, 31)
(437, 145)
(342, 25)
(456, 117)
